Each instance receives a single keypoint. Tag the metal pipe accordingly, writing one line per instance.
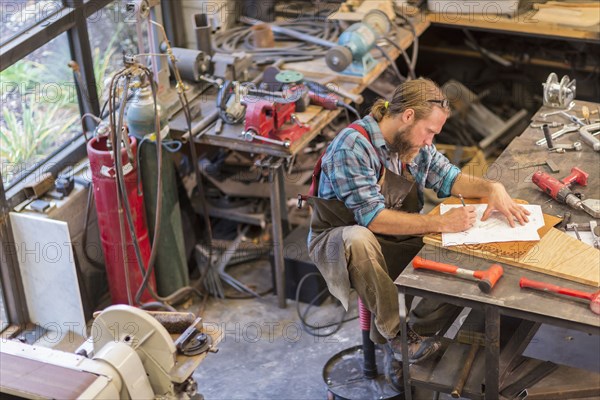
(202, 31)
(291, 33)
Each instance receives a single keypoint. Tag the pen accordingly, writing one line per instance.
(462, 200)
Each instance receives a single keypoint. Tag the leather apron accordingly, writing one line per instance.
(326, 245)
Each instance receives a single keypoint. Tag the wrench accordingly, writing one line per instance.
(569, 108)
(539, 124)
(561, 148)
(250, 135)
(559, 133)
(572, 118)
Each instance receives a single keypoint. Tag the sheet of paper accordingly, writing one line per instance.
(496, 228)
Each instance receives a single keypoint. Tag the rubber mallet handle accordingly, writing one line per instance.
(419, 262)
(547, 287)
(594, 298)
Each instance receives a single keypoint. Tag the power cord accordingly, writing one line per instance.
(313, 330)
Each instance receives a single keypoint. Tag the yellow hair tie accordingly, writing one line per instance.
(387, 103)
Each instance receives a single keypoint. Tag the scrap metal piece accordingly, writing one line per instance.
(592, 207)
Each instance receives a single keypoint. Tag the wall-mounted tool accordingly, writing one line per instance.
(560, 190)
(586, 135)
(352, 54)
(558, 94)
(487, 278)
(272, 122)
(594, 298)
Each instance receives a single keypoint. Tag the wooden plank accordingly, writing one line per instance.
(523, 23)
(554, 254)
(38, 379)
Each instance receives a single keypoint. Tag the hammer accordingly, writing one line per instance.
(594, 298)
(487, 279)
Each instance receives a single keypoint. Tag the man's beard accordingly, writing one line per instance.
(402, 145)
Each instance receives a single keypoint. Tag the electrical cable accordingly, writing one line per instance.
(309, 328)
(415, 41)
(392, 63)
(239, 39)
(411, 72)
(196, 167)
(320, 88)
(90, 201)
(348, 107)
(222, 99)
(112, 137)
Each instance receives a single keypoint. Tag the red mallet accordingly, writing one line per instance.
(487, 278)
(594, 298)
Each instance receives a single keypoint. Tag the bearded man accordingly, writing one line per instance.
(366, 212)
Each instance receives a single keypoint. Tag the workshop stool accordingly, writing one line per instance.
(353, 373)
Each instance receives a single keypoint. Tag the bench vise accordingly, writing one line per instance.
(273, 122)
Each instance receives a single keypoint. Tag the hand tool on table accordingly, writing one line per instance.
(591, 226)
(586, 135)
(561, 148)
(594, 298)
(585, 112)
(560, 190)
(551, 164)
(558, 133)
(487, 278)
(536, 124)
(572, 118)
(549, 113)
(272, 122)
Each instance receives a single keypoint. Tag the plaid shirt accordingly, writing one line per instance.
(351, 167)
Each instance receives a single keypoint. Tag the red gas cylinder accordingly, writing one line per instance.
(105, 191)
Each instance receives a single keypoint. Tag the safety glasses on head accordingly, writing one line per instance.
(444, 103)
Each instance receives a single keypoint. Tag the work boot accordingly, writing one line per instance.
(419, 348)
(392, 369)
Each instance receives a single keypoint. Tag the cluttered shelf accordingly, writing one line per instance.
(561, 20)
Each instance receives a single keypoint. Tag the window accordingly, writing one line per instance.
(40, 109)
(112, 32)
(20, 15)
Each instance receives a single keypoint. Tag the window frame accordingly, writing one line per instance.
(72, 20)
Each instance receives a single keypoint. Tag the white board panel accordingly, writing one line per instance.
(47, 264)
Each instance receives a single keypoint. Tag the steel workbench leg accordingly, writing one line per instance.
(276, 178)
(403, 324)
(492, 352)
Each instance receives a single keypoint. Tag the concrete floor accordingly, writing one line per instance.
(265, 354)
